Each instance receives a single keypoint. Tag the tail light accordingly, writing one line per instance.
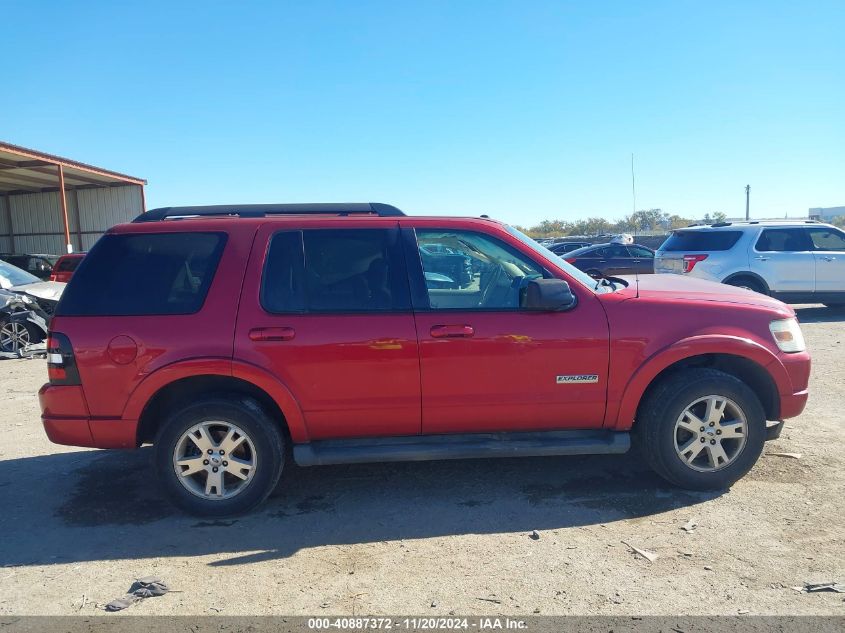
(691, 260)
(61, 363)
(571, 260)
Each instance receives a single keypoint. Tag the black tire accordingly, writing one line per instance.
(749, 283)
(263, 432)
(654, 429)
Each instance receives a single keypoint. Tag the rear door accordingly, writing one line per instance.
(829, 254)
(327, 311)
(784, 258)
(488, 365)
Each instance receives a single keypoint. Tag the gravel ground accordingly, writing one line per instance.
(79, 525)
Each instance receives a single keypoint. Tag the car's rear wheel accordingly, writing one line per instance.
(219, 456)
(701, 429)
(749, 283)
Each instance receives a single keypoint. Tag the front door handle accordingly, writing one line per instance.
(828, 259)
(452, 331)
(272, 334)
(762, 259)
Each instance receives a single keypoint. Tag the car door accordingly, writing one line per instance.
(642, 259)
(829, 254)
(784, 258)
(488, 365)
(618, 260)
(327, 311)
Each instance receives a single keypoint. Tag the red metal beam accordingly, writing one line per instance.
(63, 202)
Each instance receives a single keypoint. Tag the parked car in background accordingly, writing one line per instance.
(22, 323)
(445, 266)
(45, 293)
(227, 341)
(65, 266)
(609, 260)
(38, 264)
(797, 262)
(567, 247)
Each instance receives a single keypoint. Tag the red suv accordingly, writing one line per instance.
(226, 336)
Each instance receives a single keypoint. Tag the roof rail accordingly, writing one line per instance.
(263, 210)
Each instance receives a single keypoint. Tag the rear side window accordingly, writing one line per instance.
(144, 274)
(334, 271)
(67, 264)
(782, 241)
(701, 241)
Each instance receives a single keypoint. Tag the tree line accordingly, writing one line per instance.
(639, 222)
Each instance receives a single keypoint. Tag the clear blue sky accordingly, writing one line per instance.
(524, 110)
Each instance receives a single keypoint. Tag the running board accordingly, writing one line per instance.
(417, 448)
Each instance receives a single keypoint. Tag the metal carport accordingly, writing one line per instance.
(50, 204)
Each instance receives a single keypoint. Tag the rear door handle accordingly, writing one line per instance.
(452, 331)
(272, 334)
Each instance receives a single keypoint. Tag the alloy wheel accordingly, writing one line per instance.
(13, 336)
(215, 460)
(710, 433)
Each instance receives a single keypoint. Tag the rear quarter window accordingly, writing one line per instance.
(144, 274)
(701, 241)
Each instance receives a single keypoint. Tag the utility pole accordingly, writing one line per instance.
(747, 199)
(633, 185)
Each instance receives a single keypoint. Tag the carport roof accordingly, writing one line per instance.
(25, 170)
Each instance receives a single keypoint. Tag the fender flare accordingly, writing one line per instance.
(688, 348)
(260, 378)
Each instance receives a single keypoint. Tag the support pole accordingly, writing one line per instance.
(747, 201)
(143, 200)
(63, 202)
(8, 200)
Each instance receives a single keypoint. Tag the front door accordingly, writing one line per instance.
(829, 252)
(784, 258)
(328, 312)
(488, 365)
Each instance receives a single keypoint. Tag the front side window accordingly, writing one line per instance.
(334, 271)
(825, 239)
(640, 251)
(615, 250)
(782, 241)
(472, 271)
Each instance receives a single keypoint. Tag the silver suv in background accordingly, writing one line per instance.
(796, 262)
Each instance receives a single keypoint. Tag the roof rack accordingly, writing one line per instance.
(263, 210)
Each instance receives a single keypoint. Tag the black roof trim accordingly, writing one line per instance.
(262, 210)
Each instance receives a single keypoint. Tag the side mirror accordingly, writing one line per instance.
(548, 295)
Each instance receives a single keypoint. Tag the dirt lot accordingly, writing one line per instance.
(79, 525)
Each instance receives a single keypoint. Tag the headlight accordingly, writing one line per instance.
(25, 299)
(788, 336)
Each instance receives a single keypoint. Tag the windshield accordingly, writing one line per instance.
(579, 275)
(14, 276)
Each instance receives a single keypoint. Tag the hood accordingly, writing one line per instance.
(675, 287)
(48, 290)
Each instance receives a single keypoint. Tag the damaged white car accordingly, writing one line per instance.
(26, 305)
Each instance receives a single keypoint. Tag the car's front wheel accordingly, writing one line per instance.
(15, 336)
(701, 429)
(219, 456)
